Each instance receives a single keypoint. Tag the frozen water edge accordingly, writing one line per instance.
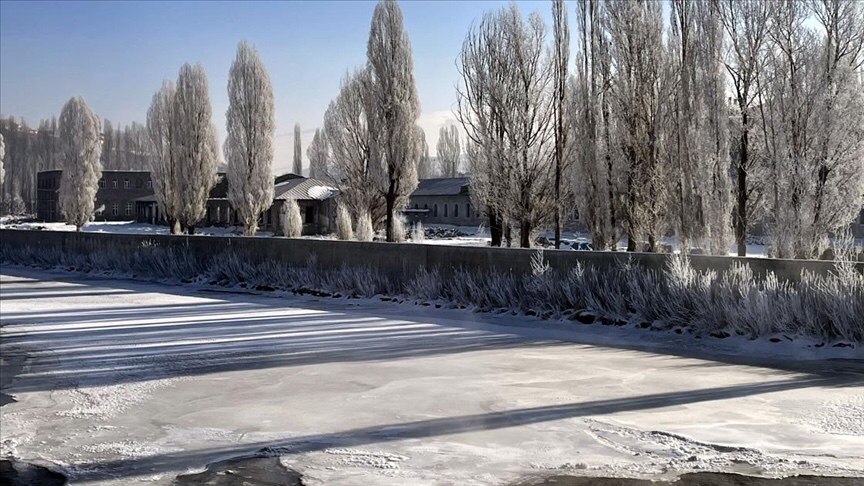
(403, 393)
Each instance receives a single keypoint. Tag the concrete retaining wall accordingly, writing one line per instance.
(398, 260)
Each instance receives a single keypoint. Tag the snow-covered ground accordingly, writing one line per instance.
(129, 383)
(128, 227)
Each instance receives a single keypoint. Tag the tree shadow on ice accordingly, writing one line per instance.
(423, 429)
(98, 346)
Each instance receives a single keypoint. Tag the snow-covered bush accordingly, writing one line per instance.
(364, 227)
(343, 223)
(399, 232)
(418, 234)
(292, 223)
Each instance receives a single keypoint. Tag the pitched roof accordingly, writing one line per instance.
(447, 186)
(303, 189)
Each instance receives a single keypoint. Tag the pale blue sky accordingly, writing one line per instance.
(116, 53)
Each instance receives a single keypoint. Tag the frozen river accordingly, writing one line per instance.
(119, 382)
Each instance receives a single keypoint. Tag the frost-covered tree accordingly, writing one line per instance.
(163, 164)
(596, 172)
(364, 231)
(424, 164)
(197, 149)
(505, 107)
(746, 23)
(292, 222)
(343, 223)
(251, 123)
(2, 156)
(107, 145)
(318, 153)
(449, 150)
(80, 145)
(298, 152)
(347, 130)
(697, 146)
(394, 109)
(814, 122)
(560, 60)
(639, 91)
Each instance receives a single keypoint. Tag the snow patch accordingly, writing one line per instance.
(839, 417)
(376, 459)
(663, 452)
(104, 402)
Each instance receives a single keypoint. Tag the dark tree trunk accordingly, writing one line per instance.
(495, 227)
(525, 234)
(631, 241)
(391, 205)
(741, 211)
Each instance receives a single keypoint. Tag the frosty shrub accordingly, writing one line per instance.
(399, 232)
(343, 223)
(733, 302)
(364, 227)
(292, 224)
(418, 234)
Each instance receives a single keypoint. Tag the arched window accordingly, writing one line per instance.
(445, 210)
(455, 210)
(435, 210)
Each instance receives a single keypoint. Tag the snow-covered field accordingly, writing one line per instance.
(129, 383)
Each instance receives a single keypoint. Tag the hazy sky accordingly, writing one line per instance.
(116, 53)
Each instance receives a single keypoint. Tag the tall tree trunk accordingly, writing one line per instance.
(557, 204)
(525, 234)
(631, 241)
(391, 204)
(741, 217)
(495, 227)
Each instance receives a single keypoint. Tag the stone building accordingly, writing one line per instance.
(115, 199)
(443, 201)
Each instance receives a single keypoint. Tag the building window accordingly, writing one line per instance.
(114, 208)
(425, 206)
(310, 215)
(416, 206)
(435, 210)
(455, 210)
(467, 210)
(114, 183)
(445, 210)
(218, 214)
(149, 184)
(125, 183)
(128, 209)
(102, 182)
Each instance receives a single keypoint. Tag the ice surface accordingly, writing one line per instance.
(129, 383)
